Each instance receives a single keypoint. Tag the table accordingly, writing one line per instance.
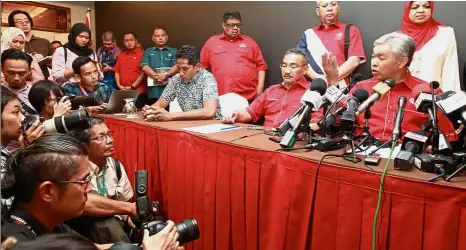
(246, 195)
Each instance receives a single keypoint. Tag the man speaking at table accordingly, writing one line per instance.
(279, 102)
(194, 87)
(391, 57)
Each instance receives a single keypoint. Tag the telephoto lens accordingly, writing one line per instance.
(78, 119)
(85, 101)
(187, 229)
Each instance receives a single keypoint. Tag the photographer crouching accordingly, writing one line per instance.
(50, 182)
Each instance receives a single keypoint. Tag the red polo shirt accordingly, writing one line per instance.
(333, 39)
(234, 64)
(277, 104)
(127, 66)
(384, 111)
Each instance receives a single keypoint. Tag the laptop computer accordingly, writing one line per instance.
(117, 102)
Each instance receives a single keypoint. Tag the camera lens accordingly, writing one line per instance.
(78, 119)
(188, 231)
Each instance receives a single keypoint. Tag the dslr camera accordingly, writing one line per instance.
(85, 101)
(78, 119)
(188, 230)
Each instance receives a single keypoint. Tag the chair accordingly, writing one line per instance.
(230, 102)
(175, 106)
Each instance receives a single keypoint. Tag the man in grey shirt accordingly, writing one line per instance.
(194, 87)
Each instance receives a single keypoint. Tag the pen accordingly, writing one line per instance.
(230, 128)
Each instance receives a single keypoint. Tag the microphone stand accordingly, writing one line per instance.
(435, 130)
(348, 139)
(323, 131)
(367, 138)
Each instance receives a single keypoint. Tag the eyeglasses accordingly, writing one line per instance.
(232, 25)
(23, 22)
(84, 182)
(102, 138)
(293, 66)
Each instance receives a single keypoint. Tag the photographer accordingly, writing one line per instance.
(50, 181)
(46, 98)
(87, 73)
(109, 180)
(11, 129)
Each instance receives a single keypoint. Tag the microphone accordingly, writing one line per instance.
(360, 94)
(413, 143)
(379, 90)
(312, 101)
(355, 79)
(399, 118)
(453, 106)
(348, 117)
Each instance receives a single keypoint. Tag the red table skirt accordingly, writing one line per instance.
(244, 198)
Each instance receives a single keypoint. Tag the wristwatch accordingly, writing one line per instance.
(166, 75)
(132, 87)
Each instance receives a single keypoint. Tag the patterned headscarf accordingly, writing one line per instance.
(8, 35)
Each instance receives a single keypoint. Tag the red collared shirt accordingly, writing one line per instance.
(277, 104)
(383, 112)
(235, 64)
(334, 40)
(127, 66)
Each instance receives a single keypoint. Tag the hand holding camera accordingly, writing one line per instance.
(31, 130)
(63, 107)
(166, 239)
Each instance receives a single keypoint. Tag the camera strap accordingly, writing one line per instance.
(82, 89)
(19, 221)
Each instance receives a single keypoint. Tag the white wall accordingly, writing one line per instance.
(78, 15)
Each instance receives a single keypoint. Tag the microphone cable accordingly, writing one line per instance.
(379, 199)
(313, 201)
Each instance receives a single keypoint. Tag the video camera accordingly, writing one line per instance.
(188, 230)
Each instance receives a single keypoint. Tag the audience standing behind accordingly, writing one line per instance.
(128, 73)
(436, 56)
(14, 38)
(158, 63)
(36, 46)
(327, 40)
(235, 60)
(108, 55)
(63, 58)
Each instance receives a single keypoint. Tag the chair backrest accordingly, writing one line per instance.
(230, 102)
(175, 106)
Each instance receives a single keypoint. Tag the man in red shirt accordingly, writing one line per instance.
(279, 102)
(128, 74)
(390, 60)
(328, 39)
(235, 59)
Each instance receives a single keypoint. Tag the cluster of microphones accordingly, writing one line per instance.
(427, 149)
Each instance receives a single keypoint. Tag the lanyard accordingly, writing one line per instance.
(101, 183)
(19, 221)
(82, 89)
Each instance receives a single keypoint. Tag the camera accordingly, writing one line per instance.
(78, 119)
(85, 101)
(188, 230)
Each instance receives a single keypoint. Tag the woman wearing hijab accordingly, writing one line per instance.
(77, 45)
(436, 56)
(14, 38)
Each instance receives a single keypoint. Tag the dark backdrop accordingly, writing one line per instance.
(276, 26)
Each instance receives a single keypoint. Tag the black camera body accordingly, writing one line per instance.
(77, 101)
(188, 230)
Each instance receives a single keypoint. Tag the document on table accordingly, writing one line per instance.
(383, 152)
(211, 128)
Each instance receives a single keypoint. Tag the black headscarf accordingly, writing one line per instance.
(71, 44)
